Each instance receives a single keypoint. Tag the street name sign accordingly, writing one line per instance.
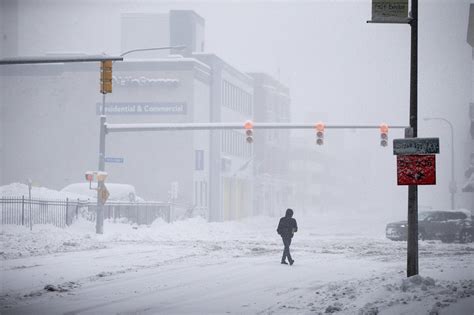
(389, 10)
(113, 160)
(412, 146)
(416, 169)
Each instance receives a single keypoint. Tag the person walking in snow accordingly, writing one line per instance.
(287, 228)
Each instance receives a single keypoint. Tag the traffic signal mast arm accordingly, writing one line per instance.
(229, 125)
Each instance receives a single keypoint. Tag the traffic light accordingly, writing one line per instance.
(383, 135)
(106, 77)
(319, 133)
(248, 131)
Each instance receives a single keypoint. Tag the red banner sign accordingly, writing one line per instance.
(416, 169)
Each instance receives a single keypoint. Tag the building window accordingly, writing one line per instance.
(233, 143)
(236, 99)
(205, 194)
(199, 160)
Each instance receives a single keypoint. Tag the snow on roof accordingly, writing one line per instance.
(465, 211)
(81, 191)
(118, 192)
(19, 189)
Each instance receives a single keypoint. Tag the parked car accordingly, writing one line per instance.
(118, 192)
(447, 226)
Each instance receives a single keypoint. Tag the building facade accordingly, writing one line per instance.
(231, 167)
(468, 186)
(50, 121)
(50, 116)
(272, 185)
(307, 176)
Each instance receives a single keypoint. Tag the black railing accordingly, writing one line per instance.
(61, 213)
(25, 211)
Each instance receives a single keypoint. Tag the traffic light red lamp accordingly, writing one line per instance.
(383, 135)
(248, 131)
(319, 133)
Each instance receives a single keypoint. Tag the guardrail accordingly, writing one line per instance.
(61, 213)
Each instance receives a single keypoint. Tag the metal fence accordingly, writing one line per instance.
(25, 211)
(61, 213)
(142, 212)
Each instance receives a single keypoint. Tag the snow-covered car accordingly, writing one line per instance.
(118, 192)
(447, 226)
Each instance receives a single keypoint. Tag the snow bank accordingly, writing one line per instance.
(118, 192)
(19, 241)
(388, 294)
(18, 190)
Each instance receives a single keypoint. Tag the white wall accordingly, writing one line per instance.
(52, 127)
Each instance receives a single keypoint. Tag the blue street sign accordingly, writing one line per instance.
(113, 160)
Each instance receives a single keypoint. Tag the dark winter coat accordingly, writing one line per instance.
(287, 226)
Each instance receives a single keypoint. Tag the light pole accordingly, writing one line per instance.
(103, 118)
(180, 47)
(103, 121)
(452, 184)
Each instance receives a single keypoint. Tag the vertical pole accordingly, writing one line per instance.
(412, 239)
(99, 224)
(31, 214)
(67, 211)
(452, 185)
(22, 210)
(99, 227)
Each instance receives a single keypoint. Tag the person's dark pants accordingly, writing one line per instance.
(286, 250)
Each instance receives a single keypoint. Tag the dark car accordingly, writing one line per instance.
(447, 226)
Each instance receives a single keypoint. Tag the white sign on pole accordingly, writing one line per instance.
(389, 9)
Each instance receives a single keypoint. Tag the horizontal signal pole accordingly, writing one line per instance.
(58, 59)
(221, 126)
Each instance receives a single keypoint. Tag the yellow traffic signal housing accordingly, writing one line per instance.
(106, 77)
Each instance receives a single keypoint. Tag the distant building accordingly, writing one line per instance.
(232, 158)
(176, 28)
(271, 155)
(50, 116)
(307, 176)
(50, 121)
(468, 186)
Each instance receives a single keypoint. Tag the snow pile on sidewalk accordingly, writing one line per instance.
(19, 241)
(387, 294)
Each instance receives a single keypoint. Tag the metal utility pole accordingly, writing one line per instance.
(105, 87)
(389, 12)
(412, 246)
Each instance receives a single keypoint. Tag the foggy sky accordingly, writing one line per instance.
(339, 69)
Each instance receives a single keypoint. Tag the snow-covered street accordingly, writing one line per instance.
(195, 267)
